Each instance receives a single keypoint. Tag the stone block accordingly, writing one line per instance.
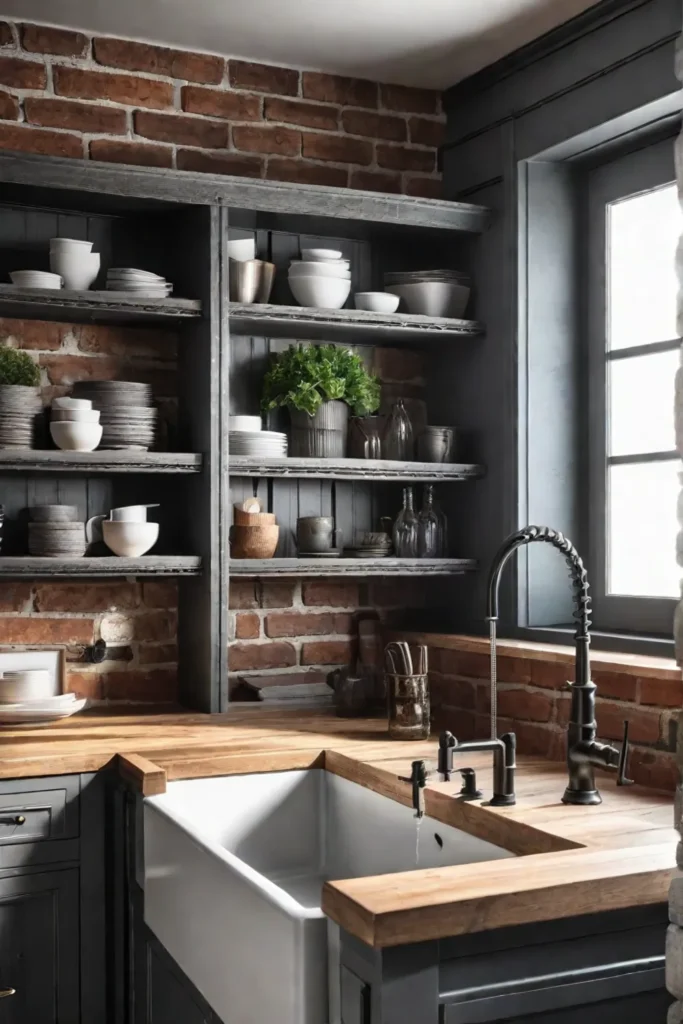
(674, 961)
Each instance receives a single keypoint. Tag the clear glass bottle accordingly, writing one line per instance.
(398, 442)
(429, 539)
(405, 528)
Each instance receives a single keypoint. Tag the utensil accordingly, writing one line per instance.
(376, 302)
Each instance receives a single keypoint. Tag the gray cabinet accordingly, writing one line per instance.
(39, 948)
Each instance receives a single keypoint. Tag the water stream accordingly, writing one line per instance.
(494, 679)
(418, 824)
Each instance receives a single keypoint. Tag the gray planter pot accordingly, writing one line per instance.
(322, 436)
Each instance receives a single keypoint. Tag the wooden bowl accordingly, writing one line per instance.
(254, 541)
(243, 518)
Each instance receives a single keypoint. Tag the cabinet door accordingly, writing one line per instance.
(39, 939)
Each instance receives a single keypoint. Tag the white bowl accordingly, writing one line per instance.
(321, 254)
(376, 302)
(129, 540)
(70, 244)
(245, 423)
(71, 403)
(75, 416)
(76, 437)
(77, 268)
(319, 270)
(242, 249)
(131, 513)
(35, 279)
(320, 292)
(433, 298)
(33, 684)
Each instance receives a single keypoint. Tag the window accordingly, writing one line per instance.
(634, 225)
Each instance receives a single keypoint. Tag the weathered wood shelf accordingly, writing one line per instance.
(351, 566)
(148, 565)
(352, 469)
(352, 325)
(93, 307)
(99, 462)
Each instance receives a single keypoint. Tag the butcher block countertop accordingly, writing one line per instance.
(570, 860)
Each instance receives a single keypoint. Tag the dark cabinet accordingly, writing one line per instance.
(39, 948)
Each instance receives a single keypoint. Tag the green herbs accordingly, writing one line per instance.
(17, 367)
(304, 377)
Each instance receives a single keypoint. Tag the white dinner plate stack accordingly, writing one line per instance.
(258, 443)
(139, 282)
(31, 714)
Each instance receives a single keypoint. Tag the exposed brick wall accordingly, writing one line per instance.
(66, 93)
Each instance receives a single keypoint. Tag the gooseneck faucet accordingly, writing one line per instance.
(584, 752)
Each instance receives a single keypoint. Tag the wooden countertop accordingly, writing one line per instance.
(570, 860)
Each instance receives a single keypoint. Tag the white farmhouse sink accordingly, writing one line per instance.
(234, 869)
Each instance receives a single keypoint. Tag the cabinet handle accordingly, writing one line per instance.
(18, 819)
(5, 992)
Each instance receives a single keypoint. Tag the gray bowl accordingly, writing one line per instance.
(53, 513)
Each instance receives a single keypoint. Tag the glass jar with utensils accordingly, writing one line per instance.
(407, 686)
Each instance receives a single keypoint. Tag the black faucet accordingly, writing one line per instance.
(584, 752)
(418, 780)
(503, 763)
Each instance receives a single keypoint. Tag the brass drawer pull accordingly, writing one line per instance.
(5, 992)
(18, 819)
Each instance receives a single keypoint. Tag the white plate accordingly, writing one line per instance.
(27, 717)
(60, 702)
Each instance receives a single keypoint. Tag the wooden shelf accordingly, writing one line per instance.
(96, 307)
(351, 566)
(352, 325)
(149, 565)
(99, 462)
(352, 469)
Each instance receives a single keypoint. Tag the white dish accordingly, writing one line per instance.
(245, 423)
(71, 403)
(131, 513)
(376, 302)
(35, 279)
(31, 684)
(321, 254)
(129, 540)
(242, 249)
(75, 416)
(27, 716)
(320, 292)
(134, 272)
(56, 702)
(76, 437)
(433, 298)
(70, 245)
(319, 270)
(78, 270)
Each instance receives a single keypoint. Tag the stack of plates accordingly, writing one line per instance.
(261, 443)
(430, 292)
(33, 713)
(19, 407)
(56, 540)
(127, 416)
(140, 282)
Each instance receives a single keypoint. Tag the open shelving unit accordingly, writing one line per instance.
(96, 307)
(353, 469)
(21, 566)
(38, 461)
(294, 567)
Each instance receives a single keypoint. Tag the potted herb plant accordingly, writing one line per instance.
(319, 384)
(19, 398)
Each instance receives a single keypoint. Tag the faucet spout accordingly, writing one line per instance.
(418, 781)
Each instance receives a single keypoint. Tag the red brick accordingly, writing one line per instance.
(9, 107)
(563, 703)
(35, 140)
(482, 698)
(237, 106)
(304, 115)
(145, 343)
(664, 693)
(142, 685)
(22, 74)
(60, 41)
(644, 726)
(307, 624)
(308, 174)
(462, 663)
(263, 78)
(138, 154)
(66, 369)
(160, 594)
(403, 158)
(243, 594)
(354, 92)
(456, 692)
(375, 181)
(245, 656)
(14, 597)
(219, 163)
(338, 149)
(525, 705)
(34, 630)
(186, 131)
(512, 670)
(398, 364)
(424, 132)
(464, 724)
(552, 675)
(280, 141)
(410, 101)
(6, 38)
(34, 334)
(615, 684)
(654, 768)
(157, 626)
(330, 593)
(86, 597)
(328, 652)
(277, 595)
(247, 626)
(104, 85)
(85, 684)
(374, 126)
(425, 188)
(82, 117)
(158, 60)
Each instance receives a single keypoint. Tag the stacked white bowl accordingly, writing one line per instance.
(27, 698)
(75, 262)
(321, 278)
(75, 425)
(140, 282)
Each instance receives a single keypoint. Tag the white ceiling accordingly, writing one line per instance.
(432, 43)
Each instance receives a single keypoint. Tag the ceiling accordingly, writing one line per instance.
(431, 43)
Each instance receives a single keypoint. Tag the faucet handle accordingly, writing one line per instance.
(469, 789)
(623, 756)
(447, 744)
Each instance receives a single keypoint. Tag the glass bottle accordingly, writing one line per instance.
(429, 539)
(398, 436)
(405, 528)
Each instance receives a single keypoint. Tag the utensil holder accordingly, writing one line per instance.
(408, 706)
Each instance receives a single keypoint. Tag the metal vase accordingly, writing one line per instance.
(321, 436)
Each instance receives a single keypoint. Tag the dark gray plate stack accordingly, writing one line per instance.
(54, 531)
(127, 415)
(19, 408)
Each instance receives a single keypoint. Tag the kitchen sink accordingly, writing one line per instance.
(234, 869)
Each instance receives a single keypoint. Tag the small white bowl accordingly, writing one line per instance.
(129, 540)
(319, 270)
(321, 254)
(376, 302)
(71, 403)
(245, 423)
(73, 244)
(320, 292)
(242, 249)
(76, 437)
(75, 416)
(35, 279)
(78, 269)
(32, 684)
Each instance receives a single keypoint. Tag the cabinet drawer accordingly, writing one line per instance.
(36, 810)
